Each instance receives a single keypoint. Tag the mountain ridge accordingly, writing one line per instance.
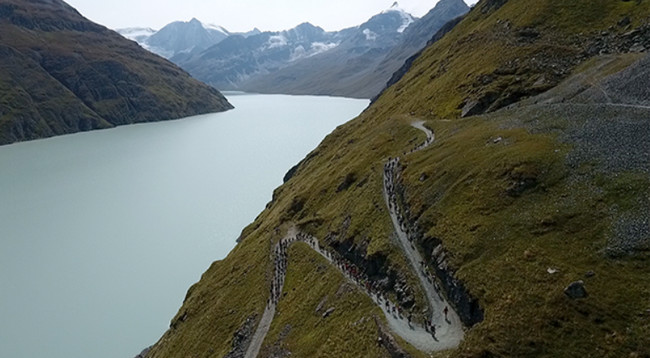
(366, 75)
(62, 74)
(304, 59)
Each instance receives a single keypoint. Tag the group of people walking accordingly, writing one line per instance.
(392, 173)
(350, 270)
(421, 146)
(280, 264)
(391, 176)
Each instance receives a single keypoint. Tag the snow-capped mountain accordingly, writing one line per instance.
(137, 34)
(407, 19)
(177, 37)
(180, 37)
(355, 62)
(362, 64)
(237, 58)
(237, 62)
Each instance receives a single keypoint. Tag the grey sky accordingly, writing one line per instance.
(242, 15)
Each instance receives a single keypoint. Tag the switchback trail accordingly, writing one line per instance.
(449, 327)
(448, 330)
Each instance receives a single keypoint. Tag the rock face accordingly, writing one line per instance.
(144, 353)
(242, 338)
(386, 340)
(576, 290)
(62, 74)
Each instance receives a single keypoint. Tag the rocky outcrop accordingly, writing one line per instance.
(84, 76)
(386, 340)
(376, 267)
(144, 353)
(576, 290)
(436, 257)
(242, 338)
(467, 307)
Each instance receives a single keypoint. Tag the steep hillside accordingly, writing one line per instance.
(61, 73)
(532, 219)
(520, 50)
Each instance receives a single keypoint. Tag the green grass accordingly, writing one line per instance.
(453, 69)
(350, 331)
(504, 245)
(501, 244)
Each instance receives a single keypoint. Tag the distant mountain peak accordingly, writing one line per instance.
(407, 19)
(394, 7)
(216, 28)
(306, 25)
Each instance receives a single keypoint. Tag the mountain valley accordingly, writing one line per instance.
(62, 74)
(493, 200)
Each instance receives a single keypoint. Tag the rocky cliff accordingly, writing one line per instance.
(60, 73)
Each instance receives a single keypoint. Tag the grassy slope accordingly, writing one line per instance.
(500, 243)
(504, 244)
(309, 279)
(487, 53)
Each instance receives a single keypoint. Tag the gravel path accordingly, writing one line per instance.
(447, 332)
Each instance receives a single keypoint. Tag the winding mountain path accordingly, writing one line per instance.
(447, 329)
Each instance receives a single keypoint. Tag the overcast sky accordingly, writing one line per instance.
(242, 15)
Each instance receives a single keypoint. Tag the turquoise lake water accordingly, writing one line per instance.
(102, 233)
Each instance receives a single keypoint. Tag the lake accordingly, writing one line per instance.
(102, 233)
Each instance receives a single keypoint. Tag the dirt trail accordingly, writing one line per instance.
(448, 328)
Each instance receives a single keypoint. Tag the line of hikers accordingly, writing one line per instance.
(350, 270)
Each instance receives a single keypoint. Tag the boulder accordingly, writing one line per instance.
(576, 290)
(328, 312)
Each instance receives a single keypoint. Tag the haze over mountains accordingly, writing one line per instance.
(353, 62)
